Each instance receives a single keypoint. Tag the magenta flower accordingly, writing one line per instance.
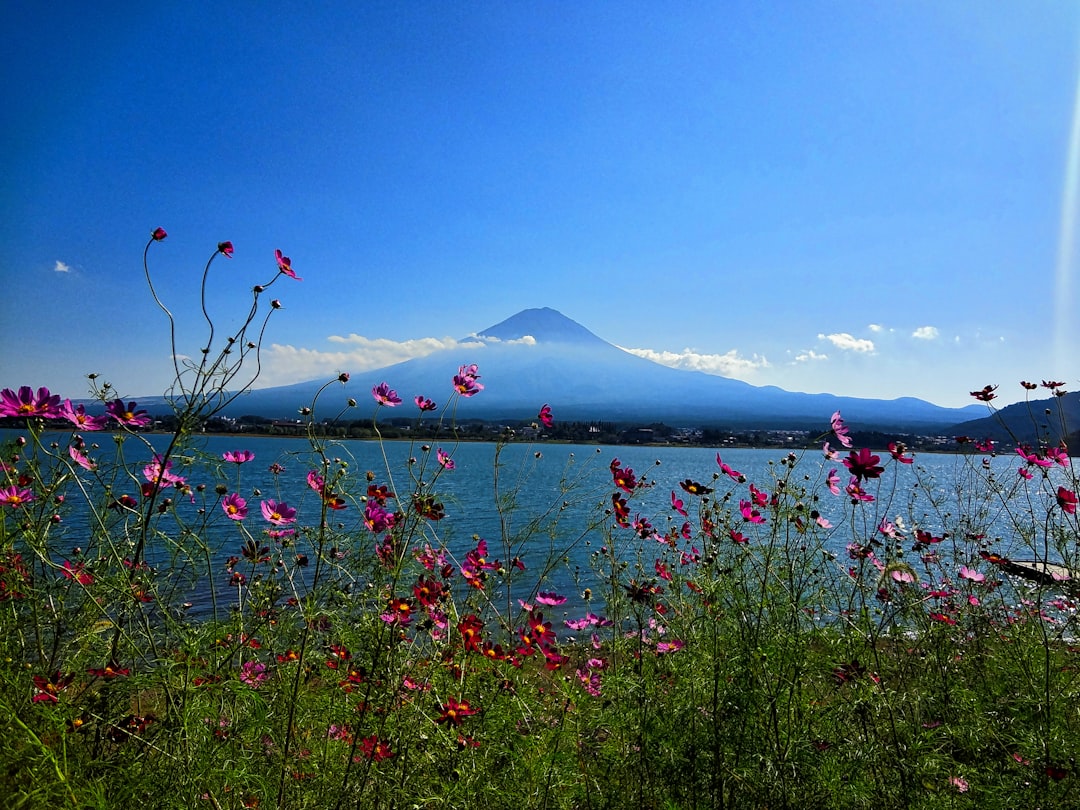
(549, 598)
(284, 264)
(235, 507)
(674, 645)
(1032, 458)
(840, 430)
(15, 497)
(156, 474)
(734, 475)
(77, 572)
(424, 404)
(127, 416)
(385, 395)
(545, 416)
(863, 464)
(158, 234)
(24, 403)
(1066, 499)
(253, 673)
(225, 249)
(1058, 455)
(749, 513)
(81, 458)
(465, 381)
(677, 504)
(280, 514)
(897, 452)
(77, 415)
(47, 689)
(445, 461)
(238, 456)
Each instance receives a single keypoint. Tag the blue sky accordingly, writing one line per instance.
(871, 199)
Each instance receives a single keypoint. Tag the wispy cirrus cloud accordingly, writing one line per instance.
(849, 343)
(810, 356)
(61, 267)
(729, 364)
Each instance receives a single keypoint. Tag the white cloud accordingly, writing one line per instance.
(729, 364)
(60, 267)
(925, 333)
(849, 343)
(284, 364)
(876, 327)
(810, 355)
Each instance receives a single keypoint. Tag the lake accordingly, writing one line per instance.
(571, 482)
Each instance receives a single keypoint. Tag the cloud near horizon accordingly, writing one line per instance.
(849, 343)
(729, 364)
(287, 364)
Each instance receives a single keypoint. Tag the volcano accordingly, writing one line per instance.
(540, 356)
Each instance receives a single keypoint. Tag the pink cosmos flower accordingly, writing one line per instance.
(445, 461)
(897, 451)
(127, 416)
(1058, 455)
(833, 482)
(235, 507)
(971, 574)
(24, 403)
(749, 513)
(677, 504)
(15, 497)
(545, 416)
(856, 492)
(465, 381)
(156, 474)
(284, 264)
(674, 645)
(959, 783)
(77, 572)
(238, 456)
(549, 598)
(158, 234)
(424, 404)
(385, 395)
(1024, 473)
(225, 249)
(253, 673)
(734, 475)
(1032, 458)
(840, 430)
(829, 453)
(1066, 499)
(77, 415)
(823, 522)
(280, 514)
(902, 576)
(81, 458)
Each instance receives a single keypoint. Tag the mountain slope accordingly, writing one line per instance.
(540, 355)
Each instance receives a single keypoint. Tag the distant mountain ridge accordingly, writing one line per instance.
(540, 356)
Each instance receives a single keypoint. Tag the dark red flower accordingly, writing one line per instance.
(454, 712)
(158, 234)
(545, 416)
(863, 464)
(986, 394)
(225, 249)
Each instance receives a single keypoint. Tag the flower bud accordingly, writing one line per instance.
(276, 304)
(158, 234)
(221, 489)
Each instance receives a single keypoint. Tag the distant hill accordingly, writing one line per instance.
(540, 356)
(1050, 420)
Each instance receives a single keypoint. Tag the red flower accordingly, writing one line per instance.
(1066, 499)
(225, 249)
(622, 510)
(49, 688)
(373, 748)
(284, 264)
(694, 488)
(454, 713)
(863, 464)
(897, 450)
(545, 416)
(986, 394)
(158, 234)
